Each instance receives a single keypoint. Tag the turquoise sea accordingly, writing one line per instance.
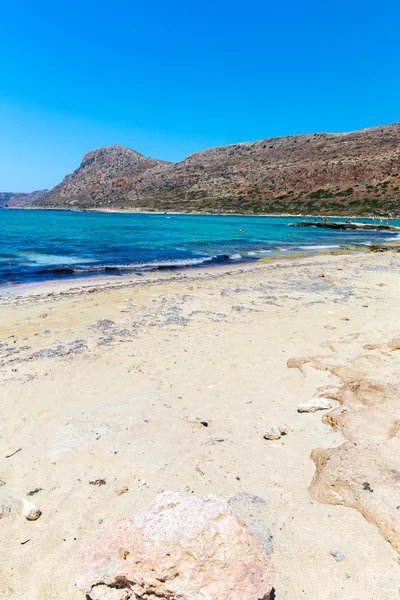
(45, 245)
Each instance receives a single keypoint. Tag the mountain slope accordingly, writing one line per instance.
(355, 172)
(104, 178)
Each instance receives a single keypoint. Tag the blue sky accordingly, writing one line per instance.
(171, 78)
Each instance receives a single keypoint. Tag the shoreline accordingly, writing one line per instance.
(157, 277)
(206, 214)
(194, 272)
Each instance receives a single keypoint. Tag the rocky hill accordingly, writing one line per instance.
(355, 173)
(105, 178)
(19, 200)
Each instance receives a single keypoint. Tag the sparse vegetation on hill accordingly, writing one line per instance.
(355, 173)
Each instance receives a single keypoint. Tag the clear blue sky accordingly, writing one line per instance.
(171, 78)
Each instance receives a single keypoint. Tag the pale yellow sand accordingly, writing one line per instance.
(123, 401)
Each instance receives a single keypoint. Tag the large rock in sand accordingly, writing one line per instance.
(181, 548)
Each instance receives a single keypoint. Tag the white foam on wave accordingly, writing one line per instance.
(395, 238)
(179, 262)
(257, 253)
(53, 259)
(235, 256)
(319, 247)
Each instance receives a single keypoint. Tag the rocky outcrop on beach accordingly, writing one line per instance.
(180, 548)
(355, 173)
(364, 472)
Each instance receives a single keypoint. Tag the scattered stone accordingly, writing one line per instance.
(197, 423)
(122, 491)
(275, 432)
(30, 511)
(313, 405)
(338, 556)
(321, 275)
(98, 482)
(180, 548)
(35, 491)
(394, 344)
(367, 487)
(11, 507)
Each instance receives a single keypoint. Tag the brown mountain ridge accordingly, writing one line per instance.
(348, 173)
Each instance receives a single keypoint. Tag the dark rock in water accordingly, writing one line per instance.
(347, 226)
(254, 511)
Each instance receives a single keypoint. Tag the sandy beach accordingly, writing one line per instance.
(115, 390)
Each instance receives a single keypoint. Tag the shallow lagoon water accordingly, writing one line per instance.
(37, 245)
